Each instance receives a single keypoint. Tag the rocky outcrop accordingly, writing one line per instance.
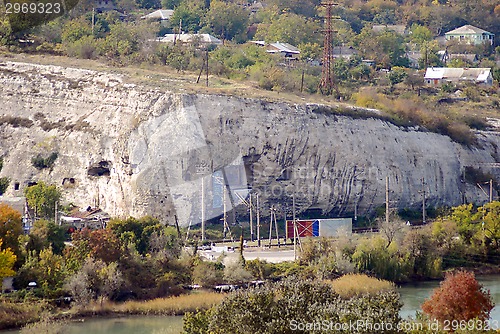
(135, 151)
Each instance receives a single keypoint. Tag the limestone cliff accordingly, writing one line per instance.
(134, 150)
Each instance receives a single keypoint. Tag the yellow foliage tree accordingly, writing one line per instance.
(7, 260)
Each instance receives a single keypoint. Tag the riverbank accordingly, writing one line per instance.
(17, 315)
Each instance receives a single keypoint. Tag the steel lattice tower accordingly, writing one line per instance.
(327, 84)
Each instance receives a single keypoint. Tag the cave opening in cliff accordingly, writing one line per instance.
(100, 169)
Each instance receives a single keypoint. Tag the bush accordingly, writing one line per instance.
(4, 184)
(275, 308)
(40, 162)
(459, 297)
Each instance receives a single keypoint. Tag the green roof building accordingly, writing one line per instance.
(470, 34)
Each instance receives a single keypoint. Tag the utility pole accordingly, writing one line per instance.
(202, 209)
(55, 215)
(251, 218)
(93, 20)
(294, 228)
(206, 57)
(258, 221)
(387, 199)
(327, 83)
(491, 190)
(224, 219)
(423, 200)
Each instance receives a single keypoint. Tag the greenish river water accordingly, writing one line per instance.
(412, 296)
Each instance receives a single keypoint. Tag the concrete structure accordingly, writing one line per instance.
(438, 75)
(470, 35)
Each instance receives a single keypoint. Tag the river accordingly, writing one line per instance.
(412, 296)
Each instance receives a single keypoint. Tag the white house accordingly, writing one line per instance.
(436, 76)
(470, 34)
(190, 38)
(160, 14)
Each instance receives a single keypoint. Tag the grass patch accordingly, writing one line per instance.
(14, 315)
(173, 305)
(357, 285)
(45, 325)
(161, 306)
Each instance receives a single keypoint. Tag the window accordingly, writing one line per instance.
(16, 186)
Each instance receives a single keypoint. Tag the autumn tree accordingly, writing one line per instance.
(10, 227)
(43, 198)
(459, 297)
(7, 260)
(101, 244)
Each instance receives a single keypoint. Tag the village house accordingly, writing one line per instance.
(205, 39)
(470, 35)
(162, 15)
(286, 50)
(346, 52)
(397, 28)
(436, 76)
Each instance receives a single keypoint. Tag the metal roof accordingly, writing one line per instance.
(477, 74)
(284, 47)
(188, 38)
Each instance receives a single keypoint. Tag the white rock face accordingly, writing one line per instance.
(153, 148)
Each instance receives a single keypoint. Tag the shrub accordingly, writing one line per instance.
(459, 297)
(40, 162)
(4, 184)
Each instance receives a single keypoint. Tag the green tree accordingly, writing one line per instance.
(489, 215)
(420, 34)
(11, 227)
(135, 231)
(227, 20)
(46, 234)
(7, 260)
(290, 28)
(396, 75)
(75, 29)
(462, 215)
(190, 14)
(43, 199)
